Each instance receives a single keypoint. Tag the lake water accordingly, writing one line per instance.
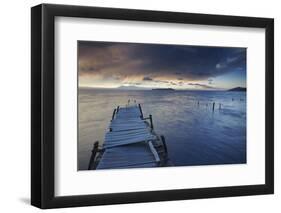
(195, 135)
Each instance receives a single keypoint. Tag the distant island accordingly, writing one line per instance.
(165, 89)
(131, 88)
(142, 88)
(238, 89)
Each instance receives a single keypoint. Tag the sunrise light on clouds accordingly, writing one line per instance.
(111, 65)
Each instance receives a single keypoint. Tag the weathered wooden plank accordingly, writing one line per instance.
(128, 113)
(126, 121)
(110, 144)
(120, 119)
(142, 165)
(128, 124)
(127, 128)
(140, 137)
(134, 155)
(154, 152)
(124, 137)
(133, 126)
(129, 109)
(128, 132)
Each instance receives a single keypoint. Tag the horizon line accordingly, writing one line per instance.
(151, 88)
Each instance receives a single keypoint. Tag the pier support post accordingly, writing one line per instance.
(117, 109)
(141, 111)
(94, 153)
(164, 144)
(213, 106)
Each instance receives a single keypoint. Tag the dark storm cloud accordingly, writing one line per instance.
(153, 62)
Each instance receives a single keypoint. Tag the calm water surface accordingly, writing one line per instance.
(194, 134)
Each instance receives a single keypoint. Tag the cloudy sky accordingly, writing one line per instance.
(111, 64)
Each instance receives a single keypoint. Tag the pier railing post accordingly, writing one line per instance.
(164, 144)
(141, 111)
(113, 114)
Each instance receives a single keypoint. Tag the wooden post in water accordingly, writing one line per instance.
(213, 106)
(220, 106)
(94, 153)
(117, 109)
(151, 122)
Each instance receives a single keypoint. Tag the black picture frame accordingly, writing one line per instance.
(43, 105)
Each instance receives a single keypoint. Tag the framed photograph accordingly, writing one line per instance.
(140, 106)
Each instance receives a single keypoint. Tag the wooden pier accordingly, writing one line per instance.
(130, 142)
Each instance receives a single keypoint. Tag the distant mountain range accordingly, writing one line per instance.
(238, 89)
